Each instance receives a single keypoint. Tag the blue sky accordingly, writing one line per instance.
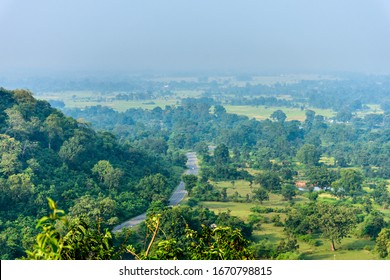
(43, 36)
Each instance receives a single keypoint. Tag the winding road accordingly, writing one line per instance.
(177, 196)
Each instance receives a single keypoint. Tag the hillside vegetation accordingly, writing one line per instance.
(45, 154)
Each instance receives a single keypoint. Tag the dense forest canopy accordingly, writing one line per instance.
(46, 154)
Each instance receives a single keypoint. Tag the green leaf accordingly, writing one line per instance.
(52, 204)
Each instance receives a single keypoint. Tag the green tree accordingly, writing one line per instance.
(279, 116)
(71, 149)
(260, 194)
(95, 211)
(52, 126)
(289, 191)
(372, 224)
(350, 183)
(202, 149)
(335, 222)
(344, 115)
(310, 116)
(382, 243)
(26, 103)
(302, 219)
(321, 177)
(309, 154)
(83, 242)
(224, 194)
(221, 155)
(381, 194)
(269, 180)
(153, 187)
(18, 127)
(20, 186)
(190, 182)
(10, 150)
(108, 175)
(219, 111)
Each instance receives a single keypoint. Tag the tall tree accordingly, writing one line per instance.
(310, 116)
(154, 187)
(381, 194)
(382, 243)
(260, 194)
(335, 222)
(321, 177)
(309, 154)
(10, 149)
(190, 182)
(18, 127)
(109, 175)
(289, 191)
(221, 155)
(350, 183)
(269, 180)
(52, 127)
(279, 116)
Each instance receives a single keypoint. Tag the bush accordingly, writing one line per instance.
(264, 250)
(309, 239)
(290, 256)
(255, 220)
(192, 202)
(368, 248)
(277, 220)
(263, 210)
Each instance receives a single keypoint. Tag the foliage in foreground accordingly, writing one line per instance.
(210, 243)
(80, 242)
(61, 239)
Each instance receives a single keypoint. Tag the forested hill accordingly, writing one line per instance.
(46, 154)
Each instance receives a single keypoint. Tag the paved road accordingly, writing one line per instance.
(177, 196)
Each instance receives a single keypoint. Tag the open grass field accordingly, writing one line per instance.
(264, 112)
(82, 99)
(350, 248)
(373, 109)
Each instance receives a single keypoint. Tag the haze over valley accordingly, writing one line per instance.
(195, 130)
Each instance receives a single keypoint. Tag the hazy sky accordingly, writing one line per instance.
(46, 36)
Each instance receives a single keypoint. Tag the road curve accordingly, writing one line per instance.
(177, 196)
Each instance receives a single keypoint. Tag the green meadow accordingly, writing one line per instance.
(264, 112)
(82, 99)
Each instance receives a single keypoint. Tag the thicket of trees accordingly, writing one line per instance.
(46, 154)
